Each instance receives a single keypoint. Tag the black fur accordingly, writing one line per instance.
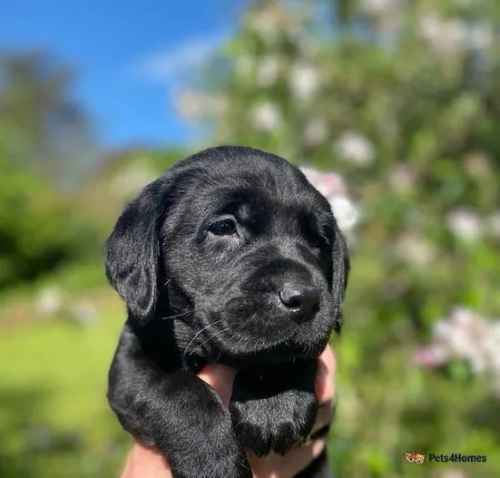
(209, 259)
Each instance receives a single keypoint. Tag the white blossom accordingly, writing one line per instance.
(445, 35)
(329, 184)
(481, 36)
(265, 22)
(465, 224)
(49, 300)
(415, 250)
(477, 164)
(196, 105)
(451, 35)
(304, 81)
(268, 70)
(346, 212)
(465, 335)
(271, 21)
(388, 16)
(266, 116)
(380, 7)
(333, 187)
(315, 132)
(402, 178)
(355, 148)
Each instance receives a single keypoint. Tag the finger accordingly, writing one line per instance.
(310, 451)
(144, 462)
(288, 465)
(323, 417)
(325, 376)
(300, 458)
(221, 378)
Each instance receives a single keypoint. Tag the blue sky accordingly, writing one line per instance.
(129, 56)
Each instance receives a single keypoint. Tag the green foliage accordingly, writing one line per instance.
(38, 227)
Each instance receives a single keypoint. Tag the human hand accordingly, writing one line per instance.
(143, 462)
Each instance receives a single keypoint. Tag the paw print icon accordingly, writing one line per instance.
(415, 457)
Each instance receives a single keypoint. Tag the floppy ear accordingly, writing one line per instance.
(133, 251)
(340, 273)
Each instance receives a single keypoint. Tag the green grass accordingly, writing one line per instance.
(54, 417)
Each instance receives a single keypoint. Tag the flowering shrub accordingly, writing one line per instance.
(465, 335)
(391, 108)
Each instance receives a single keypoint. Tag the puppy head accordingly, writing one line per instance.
(239, 250)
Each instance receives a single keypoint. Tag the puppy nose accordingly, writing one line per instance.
(300, 298)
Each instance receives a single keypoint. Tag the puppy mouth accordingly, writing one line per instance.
(255, 330)
(244, 351)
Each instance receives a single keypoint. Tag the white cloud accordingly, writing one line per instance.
(168, 64)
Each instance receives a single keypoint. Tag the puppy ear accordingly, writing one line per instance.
(340, 273)
(133, 252)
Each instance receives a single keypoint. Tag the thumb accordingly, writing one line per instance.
(221, 378)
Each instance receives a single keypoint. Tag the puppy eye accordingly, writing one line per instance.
(225, 227)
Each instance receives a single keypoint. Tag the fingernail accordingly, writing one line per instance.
(318, 447)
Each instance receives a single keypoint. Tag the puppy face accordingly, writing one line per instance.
(240, 250)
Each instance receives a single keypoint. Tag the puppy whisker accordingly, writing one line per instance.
(195, 336)
(213, 336)
(176, 316)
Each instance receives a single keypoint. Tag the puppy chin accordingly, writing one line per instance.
(260, 348)
(255, 345)
(281, 353)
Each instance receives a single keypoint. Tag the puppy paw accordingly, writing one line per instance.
(274, 423)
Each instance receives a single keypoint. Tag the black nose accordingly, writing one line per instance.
(301, 299)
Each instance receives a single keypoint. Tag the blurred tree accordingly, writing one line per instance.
(44, 144)
(38, 226)
(41, 124)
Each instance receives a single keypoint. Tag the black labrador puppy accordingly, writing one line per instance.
(230, 257)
